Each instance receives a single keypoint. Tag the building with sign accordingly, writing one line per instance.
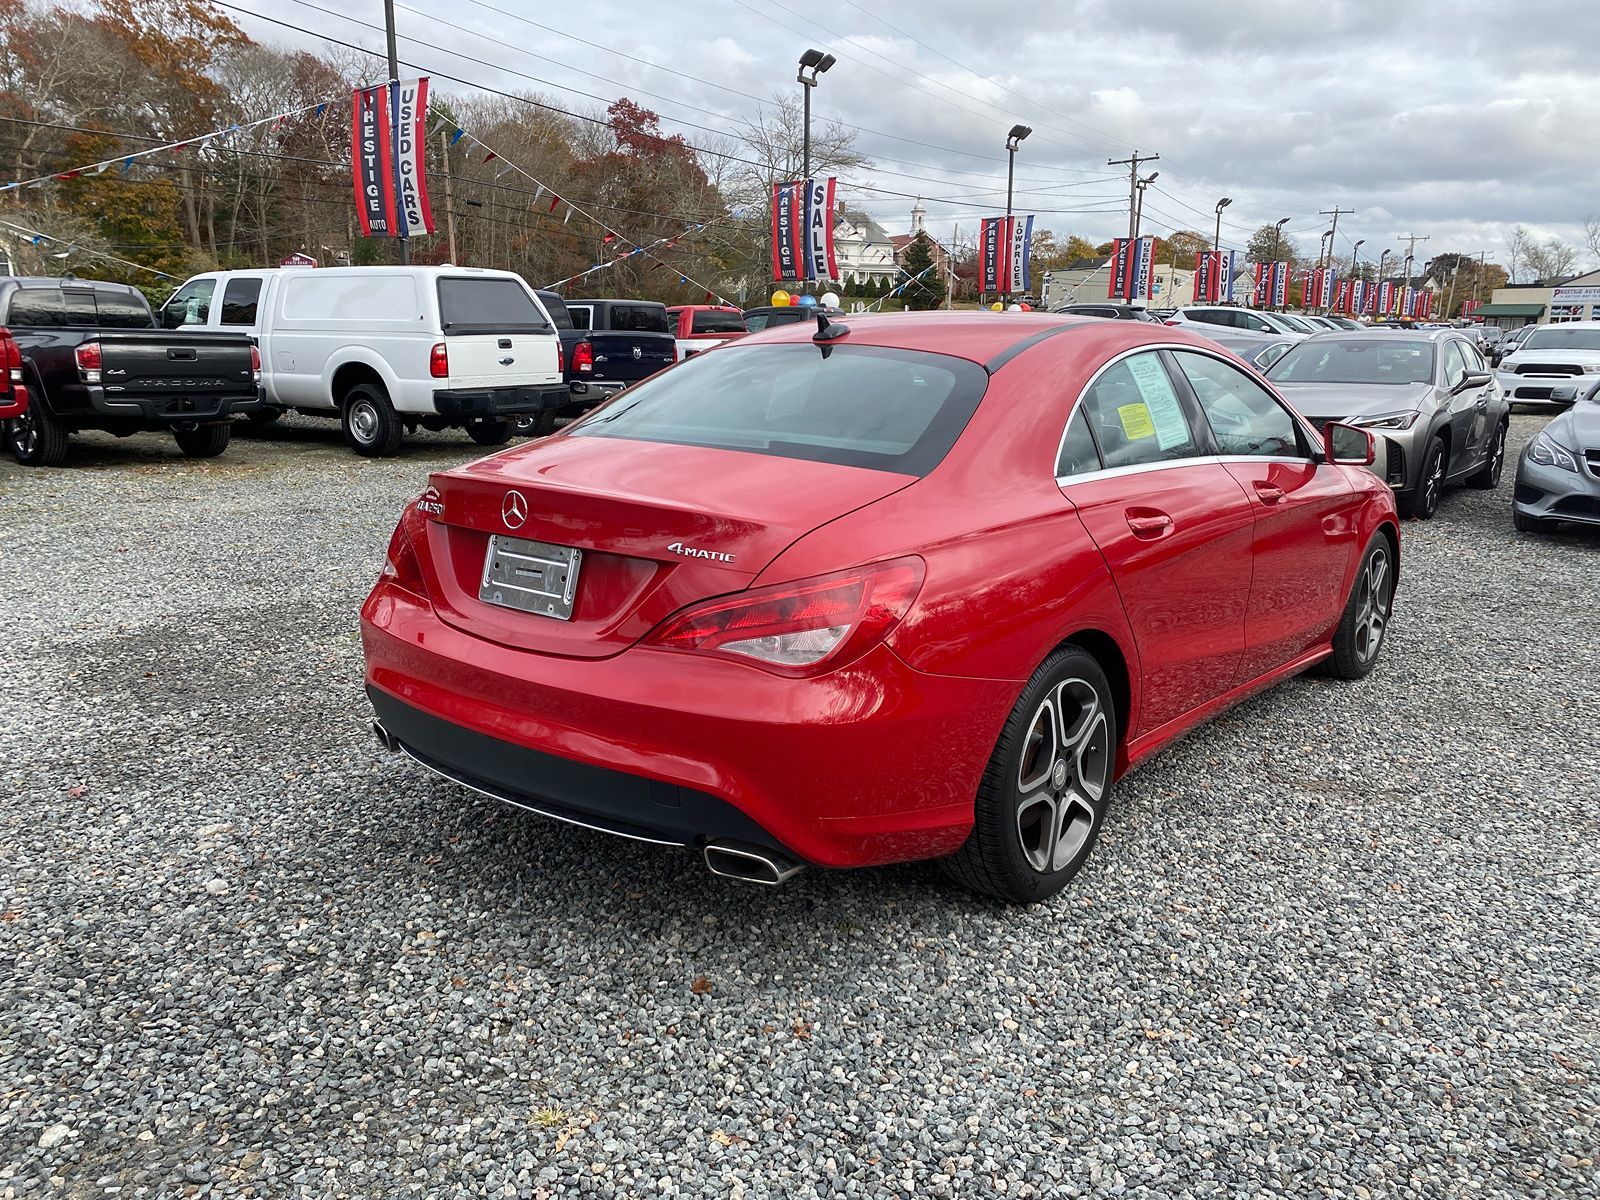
(1547, 301)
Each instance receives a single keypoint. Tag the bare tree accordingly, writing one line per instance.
(774, 140)
(1591, 236)
(1517, 247)
(1551, 260)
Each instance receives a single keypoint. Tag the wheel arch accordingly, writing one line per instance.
(359, 367)
(1108, 652)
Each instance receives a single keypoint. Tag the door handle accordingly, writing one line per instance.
(181, 354)
(1149, 525)
(1270, 493)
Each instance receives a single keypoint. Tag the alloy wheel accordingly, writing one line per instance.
(1372, 604)
(1063, 775)
(1433, 482)
(1498, 460)
(24, 437)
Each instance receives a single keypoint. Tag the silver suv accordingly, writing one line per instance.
(1237, 318)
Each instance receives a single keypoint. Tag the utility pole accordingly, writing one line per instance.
(1411, 251)
(1333, 231)
(449, 195)
(1478, 282)
(388, 94)
(1132, 164)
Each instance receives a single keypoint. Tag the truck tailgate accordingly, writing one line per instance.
(629, 357)
(156, 362)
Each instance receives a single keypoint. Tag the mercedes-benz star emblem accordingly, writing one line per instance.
(1059, 775)
(514, 510)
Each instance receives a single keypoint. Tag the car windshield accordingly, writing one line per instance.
(857, 406)
(1296, 324)
(1356, 360)
(1556, 338)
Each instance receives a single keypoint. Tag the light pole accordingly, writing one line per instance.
(1138, 207)
(816, 62)
(1355, 254)
(1216, 242)
(394, 76)
(1013, 140)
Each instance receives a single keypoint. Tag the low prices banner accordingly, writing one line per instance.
(386, 148)
(1130, 269)
(1005, 253)
(802, 229)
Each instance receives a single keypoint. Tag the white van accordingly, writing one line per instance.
(389, 348)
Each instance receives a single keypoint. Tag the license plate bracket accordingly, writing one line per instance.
(531, 577)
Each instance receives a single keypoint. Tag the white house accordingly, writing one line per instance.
(863, 249)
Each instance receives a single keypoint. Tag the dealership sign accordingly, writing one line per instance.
(1576, 295)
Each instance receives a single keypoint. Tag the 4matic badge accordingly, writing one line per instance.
(695, 552)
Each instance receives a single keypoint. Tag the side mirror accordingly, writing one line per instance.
(1349, 445)
(1472, 379)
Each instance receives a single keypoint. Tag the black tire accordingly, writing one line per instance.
(490, 433)
(1365, 623)
(1011, 854)
(541, 424)
(37, 439)
(1487, 477)
(1424, 499)
(371, 427)
(207, 441)
(264, 416)
(1531, 524)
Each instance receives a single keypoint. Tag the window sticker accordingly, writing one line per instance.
(1136, 421)
(1171, 429)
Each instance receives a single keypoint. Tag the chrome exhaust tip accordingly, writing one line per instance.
(751, 864)
(385, 738)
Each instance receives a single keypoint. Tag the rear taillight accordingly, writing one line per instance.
(402, 566)
(439, 361)
(799, 628)
(88, 357)
(255, 362)
(561, 359)
(1169, 322)
(583, 357)
(674, 351)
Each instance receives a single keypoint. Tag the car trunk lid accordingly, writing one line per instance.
(658, 526)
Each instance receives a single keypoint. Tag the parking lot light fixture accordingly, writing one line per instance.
(815, 62)
(1013, 140)
(1216, 243)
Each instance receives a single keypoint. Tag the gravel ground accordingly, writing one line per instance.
(1341, 942)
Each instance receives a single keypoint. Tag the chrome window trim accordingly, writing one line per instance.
(1313, 438)
(1066, 481)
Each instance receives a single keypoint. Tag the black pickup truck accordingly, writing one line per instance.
(607, 345)
(92, 358)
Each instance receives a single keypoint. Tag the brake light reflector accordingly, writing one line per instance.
(88, 359)
(803, 627)
(439, 361)
(583, 357)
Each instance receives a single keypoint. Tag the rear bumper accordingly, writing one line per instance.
(162, 409)
(874, 763)
(469, 403)
(16, 406)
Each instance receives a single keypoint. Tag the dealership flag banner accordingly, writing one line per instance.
(1214, 277)
(789, 230)
(372, 152)
(1130, 269)
(391, 186)
(1280, 284)
(819, 228)
(1021, 239)
(1227, 268)
(1202, 277)
(1263, 280)
(994, 242)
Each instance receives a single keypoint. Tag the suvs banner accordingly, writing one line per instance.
(1213, 277)
(386, 136)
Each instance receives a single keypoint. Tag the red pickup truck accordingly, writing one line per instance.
(13, 395)
(697, 327)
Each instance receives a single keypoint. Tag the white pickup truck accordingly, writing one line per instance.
(387, 349)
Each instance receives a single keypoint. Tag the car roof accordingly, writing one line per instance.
(1395, 335)
(1568, 325)
(988, 338)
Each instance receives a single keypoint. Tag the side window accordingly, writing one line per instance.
(122, 310)
(1135, 414)
(80, 308)
(239, 300)
(1078, 455)
(1251, 321)
(35, 308)
(1455, 367)
(190, 305)
(1208, 316)
(1473, 357)
(580, 314)
(1244, 417)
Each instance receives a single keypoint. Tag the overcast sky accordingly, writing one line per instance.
(1451, 120)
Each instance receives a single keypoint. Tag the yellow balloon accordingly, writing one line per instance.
(997, 307)
(780, 298)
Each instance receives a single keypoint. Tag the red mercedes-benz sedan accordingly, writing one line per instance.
(901, 587)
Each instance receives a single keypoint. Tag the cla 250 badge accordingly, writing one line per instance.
(429, 502)
(694, 552)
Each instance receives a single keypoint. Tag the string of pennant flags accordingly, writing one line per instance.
(443, 121)
(125, 162)
(38, 239)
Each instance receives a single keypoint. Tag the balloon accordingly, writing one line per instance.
(1015, 308)
(807, 301)
(780, 298)
(830, 299)
(997, 307)
(1025, 307)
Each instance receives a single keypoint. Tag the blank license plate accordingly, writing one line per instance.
(534, 577)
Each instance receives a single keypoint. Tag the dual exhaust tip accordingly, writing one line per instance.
(744, 861)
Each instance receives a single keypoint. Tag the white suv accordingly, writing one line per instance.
(1237, 318)
(1554, 364)
(388, 349)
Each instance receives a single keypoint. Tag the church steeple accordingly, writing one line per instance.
(918, 214)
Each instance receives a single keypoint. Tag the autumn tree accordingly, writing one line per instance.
(1267, 245)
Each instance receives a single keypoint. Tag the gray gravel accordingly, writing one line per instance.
(1342, 942)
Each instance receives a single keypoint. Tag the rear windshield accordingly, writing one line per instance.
(557, 308)
(639, 318)
(711, 321)
(755, 322)
(488, 306)
(1360, 360)
(1556, 338)
(860, 406)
